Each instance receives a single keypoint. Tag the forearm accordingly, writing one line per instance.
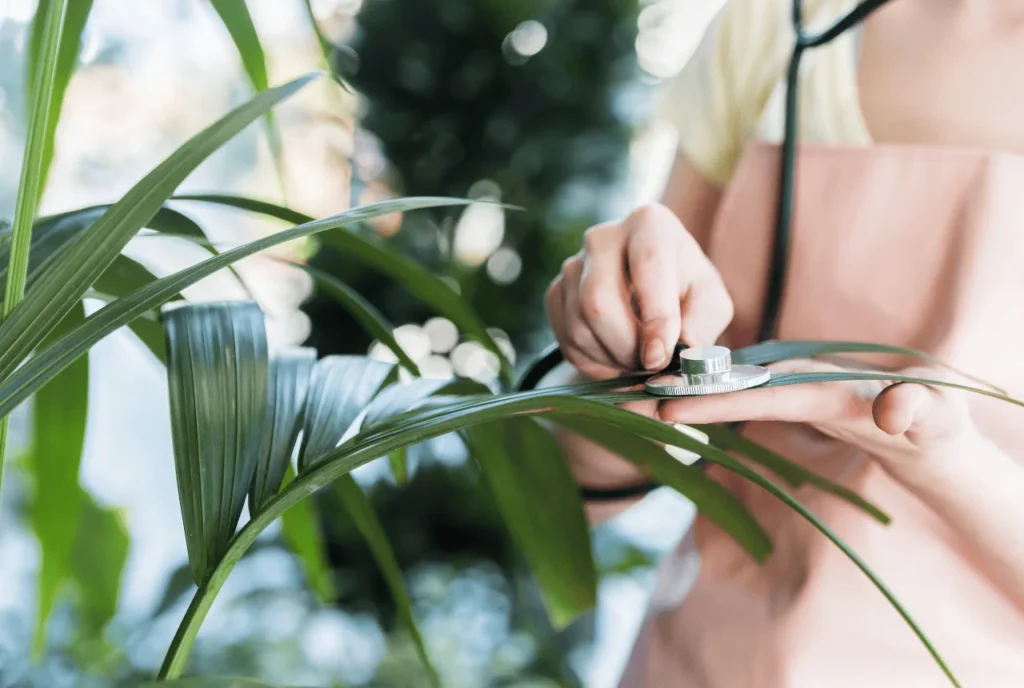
(979, 490)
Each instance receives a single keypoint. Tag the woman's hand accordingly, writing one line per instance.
(913, 430)
(636, 289)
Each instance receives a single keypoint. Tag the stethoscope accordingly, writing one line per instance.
(696, 371)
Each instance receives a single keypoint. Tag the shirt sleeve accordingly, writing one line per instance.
(715, 100)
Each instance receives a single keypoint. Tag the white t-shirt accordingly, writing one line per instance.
(733, 87)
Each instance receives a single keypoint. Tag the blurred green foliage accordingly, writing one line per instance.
(450, 104)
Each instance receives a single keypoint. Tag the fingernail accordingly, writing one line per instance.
(654, 354)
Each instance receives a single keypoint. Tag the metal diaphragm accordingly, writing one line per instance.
(707, 370)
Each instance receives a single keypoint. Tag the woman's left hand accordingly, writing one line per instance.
(911, 429)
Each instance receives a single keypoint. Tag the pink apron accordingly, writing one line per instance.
(914, 246)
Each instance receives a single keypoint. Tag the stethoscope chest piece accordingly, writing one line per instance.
(707, 370)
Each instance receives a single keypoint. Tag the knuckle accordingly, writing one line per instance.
(571, 265)
(553, 295)
(578, 334)
(591, 298)
(648, 215)
(597, 237)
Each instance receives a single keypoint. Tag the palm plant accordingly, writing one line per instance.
(239, 409)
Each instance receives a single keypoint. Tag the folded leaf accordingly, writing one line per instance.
(539, 501)
(342, 386)
(288, 383)
(217, 375)
(400, 397)
(341, 389)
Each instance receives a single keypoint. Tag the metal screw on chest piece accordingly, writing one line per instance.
(707, 370)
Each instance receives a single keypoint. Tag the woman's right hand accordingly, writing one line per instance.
(636, 289)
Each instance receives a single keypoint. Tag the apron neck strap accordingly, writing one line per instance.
(787, 173)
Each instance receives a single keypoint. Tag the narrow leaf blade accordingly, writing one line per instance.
(793, 473)
(98, 560)
(70, 275)
(59, 412)
(360, 509)
(710, 498)
(67, 57)
(539, 501)
(301, 532)
(418, 281)
(772, 351)
(47, 363)
(371, 319)
(237, 20)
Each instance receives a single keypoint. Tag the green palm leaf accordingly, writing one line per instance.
(217, 375)
(98, 558)
(49, 362)
(710, 498)
(341, 388)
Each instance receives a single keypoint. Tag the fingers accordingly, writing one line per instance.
(650, 260)
(654, 272)
(679, 294)
(854, 411)
(605, 300)
(574, 336)
(824, 403)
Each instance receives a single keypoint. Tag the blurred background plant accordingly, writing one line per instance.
(541, 104)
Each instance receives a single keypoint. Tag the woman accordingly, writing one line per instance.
(907, 231)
